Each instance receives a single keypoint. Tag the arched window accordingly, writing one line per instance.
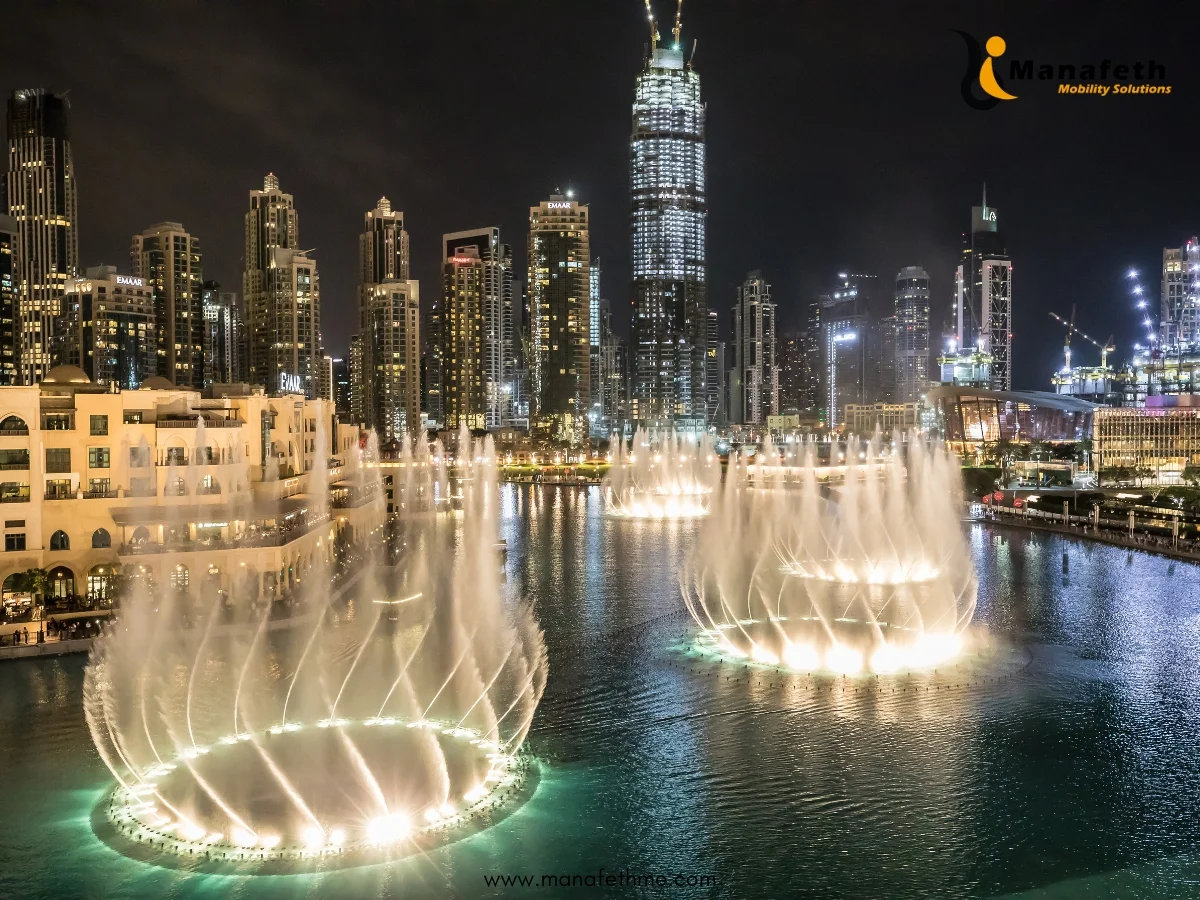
(62, 582)
(177, 486)
(100, 539)
(141, 535)
(60, 541)
(208, 485)
(13, 425)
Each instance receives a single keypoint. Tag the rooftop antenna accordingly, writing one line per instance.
(653, 28)
(692, 58)
(678, 17)
(984, 189)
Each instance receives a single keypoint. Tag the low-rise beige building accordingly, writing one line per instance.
(240, 493)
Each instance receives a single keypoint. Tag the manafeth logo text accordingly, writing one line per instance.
(982, 87)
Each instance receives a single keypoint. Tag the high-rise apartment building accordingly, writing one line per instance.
(560, 318)
(613, 363)
(271, 224)
(755, 374)
(912, 334)
(106, 327)
(1179, 316)
(476, 302)
(389, 392)
(292, 361)
(392, 359)
(169, 259)
(846, 338)
(10, 276)
(594, 348)
(669, 219)
(715, 373)
(39, 192)
(224, 336)
(341, 387)
(984, 295)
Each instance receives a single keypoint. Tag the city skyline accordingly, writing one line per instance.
(840, 203)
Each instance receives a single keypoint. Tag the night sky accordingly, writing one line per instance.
(837, 138)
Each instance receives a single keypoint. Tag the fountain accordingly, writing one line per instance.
(664, 475)
(371, 727)
(871, 574)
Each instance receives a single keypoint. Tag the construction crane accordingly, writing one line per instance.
(653, 27)
(678, 17)
(1105, 348)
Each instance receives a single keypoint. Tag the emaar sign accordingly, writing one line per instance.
(291, 384)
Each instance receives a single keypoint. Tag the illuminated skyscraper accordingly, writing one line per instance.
(912, 334)
(560, 318)
(669, 217)
(107, 328)
(388, 388)
(984, 295)
(170, 261)
(9, 280)
(280, 309)
(469, 330)
(39, 192)
(755, 373)
(1179, 317)
(224, 336)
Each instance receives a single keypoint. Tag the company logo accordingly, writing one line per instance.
(982, 88)
(290, 384)
(558, 204)
(981, 73)
(131, 281)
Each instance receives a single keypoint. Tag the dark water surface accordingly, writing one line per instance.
(1077, 774)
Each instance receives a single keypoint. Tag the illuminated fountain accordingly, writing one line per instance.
(872, 574)
(664, 475)
(378, 726)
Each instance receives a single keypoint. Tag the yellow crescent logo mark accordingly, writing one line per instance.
(987, 78)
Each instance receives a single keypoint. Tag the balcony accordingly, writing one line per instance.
(191, 423)
(21, 496)
(141, 492)
(11, 431)
(100, 495)
(14, 466)
(59, 495)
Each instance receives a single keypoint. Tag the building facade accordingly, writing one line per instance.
(106, 327)
(669, 218)
(846, 337)
(393, 361)
(1179, 315)
(865, 418)
(912, 334)
(389, 392)
(559, 279)
(232, 496)
(10, 276)
(755, 372)
(1155, 444)
(271, 223)
(983, 302)
(39, 193)
(169, 260)
(972, 416)
(469, 330)
(224, 336)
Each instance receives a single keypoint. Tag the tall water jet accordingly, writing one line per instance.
(382, 725)
(869, 572)
(665, 474)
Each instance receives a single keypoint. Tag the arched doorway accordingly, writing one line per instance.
(102, 583)
(61, 583)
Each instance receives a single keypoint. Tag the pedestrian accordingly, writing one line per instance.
(26, 635)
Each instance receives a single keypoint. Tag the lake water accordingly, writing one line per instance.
(1074, 771)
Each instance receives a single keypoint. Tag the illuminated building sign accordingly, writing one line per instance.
(464, 260)
(130, 280)
(291, 384)
(559, 204)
